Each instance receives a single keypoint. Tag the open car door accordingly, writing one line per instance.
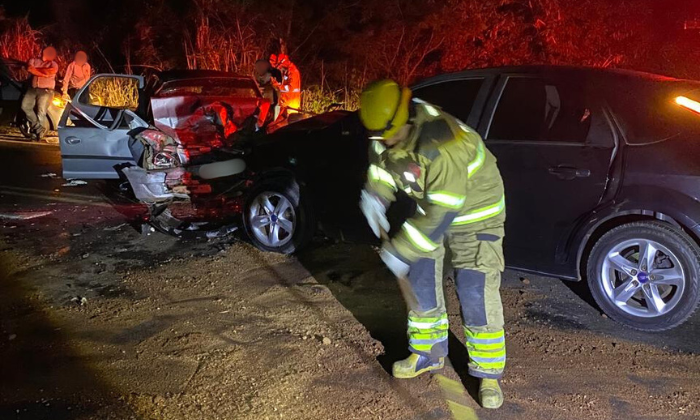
(94, 129)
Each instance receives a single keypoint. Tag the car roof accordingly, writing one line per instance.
(12, 62)
(588, 73)
(171, 75)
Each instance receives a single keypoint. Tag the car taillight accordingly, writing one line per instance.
(688, 103)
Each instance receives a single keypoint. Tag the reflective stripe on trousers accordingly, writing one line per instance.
(426, 332)
(487, 352)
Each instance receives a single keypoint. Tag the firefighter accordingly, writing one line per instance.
(290, 87)
(443, 166)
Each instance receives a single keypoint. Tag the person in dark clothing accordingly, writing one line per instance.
(36, 101)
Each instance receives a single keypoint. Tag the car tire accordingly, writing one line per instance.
(645, 297)
(285, 224)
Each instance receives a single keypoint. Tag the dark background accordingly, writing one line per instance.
(341, 44)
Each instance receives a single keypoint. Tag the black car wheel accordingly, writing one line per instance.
(276, 219)
(645, 275)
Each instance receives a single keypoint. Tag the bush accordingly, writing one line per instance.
(114, 92)
(317, 100)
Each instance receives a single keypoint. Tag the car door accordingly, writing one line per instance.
(93, 131)
(554, 146)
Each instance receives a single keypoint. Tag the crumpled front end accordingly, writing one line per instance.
(166, 172)
(152, 187)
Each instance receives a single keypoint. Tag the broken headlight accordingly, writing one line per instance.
(164, 159)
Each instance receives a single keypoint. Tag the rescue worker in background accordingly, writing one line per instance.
(263, 77)
(443, 165)
(36, 101)
(290, 87)
(77, 74)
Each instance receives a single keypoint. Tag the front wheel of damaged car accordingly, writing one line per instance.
(276, 219)
(645, 275)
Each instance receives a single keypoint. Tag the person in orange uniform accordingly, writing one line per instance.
(290, 88)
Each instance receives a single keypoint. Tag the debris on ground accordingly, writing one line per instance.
(113, 228)
(80, 300)
(74, 183)
(24, 215)
(49, 175)
(524, 280)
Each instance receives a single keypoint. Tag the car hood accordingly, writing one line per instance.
(317, 122)
(297, 131)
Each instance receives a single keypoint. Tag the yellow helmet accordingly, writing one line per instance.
(384, 108)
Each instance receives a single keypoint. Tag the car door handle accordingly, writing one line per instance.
(569, 173)
(72, 140)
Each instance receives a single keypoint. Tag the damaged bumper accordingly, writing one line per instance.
(151, 187)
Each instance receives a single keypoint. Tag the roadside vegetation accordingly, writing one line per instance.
(339, 46)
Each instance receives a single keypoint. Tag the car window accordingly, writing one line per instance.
(112, 92)
(457, 97)
(532, 109)
(235, 88)
(648, 111)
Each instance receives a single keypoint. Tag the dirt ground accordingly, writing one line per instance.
(101, 321)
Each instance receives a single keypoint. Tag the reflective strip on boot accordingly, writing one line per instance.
(481, 214)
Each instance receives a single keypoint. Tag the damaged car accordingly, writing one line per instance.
(203, 110)
(178, 139)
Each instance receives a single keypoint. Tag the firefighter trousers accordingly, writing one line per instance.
(475, 260)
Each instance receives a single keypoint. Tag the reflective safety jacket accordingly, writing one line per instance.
(290, 88)
(445, 167)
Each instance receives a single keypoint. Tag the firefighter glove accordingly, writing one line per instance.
(375, 212)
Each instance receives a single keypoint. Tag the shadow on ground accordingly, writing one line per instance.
(43, 378)
(361, 283)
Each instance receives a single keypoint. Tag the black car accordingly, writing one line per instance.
(600, 166)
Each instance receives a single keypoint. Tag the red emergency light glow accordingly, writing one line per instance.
(688, 103)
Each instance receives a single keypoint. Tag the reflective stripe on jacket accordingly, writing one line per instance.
(445, 167)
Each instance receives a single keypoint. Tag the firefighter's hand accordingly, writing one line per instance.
(394, 263)
(375, 212)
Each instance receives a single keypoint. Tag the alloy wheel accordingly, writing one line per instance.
(272, 219)
(643, 278)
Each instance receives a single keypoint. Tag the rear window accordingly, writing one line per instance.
(648, 112)
(234, 88)
(457, 97)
